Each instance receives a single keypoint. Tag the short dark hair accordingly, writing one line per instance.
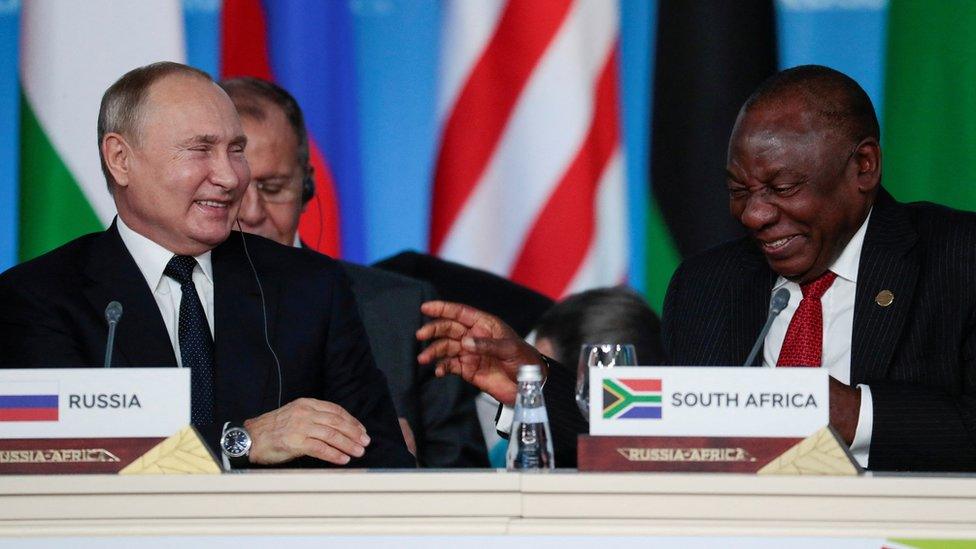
(836, 98)
(601, 315)
(251, 95)
(121, 108)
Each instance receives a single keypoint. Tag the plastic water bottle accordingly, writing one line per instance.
(530, 443)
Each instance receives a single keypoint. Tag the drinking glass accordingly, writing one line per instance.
(599, 355)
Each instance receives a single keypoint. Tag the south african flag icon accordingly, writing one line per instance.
(631, 399)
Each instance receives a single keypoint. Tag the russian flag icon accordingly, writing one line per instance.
(29, 402)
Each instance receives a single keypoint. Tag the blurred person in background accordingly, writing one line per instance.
(436, 415)
(600, 315)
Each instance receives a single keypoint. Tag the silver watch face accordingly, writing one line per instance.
(235, 442)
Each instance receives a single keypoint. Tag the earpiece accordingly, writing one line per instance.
(308, 185)
(264, 309)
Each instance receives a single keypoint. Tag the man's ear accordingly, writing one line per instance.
(867, 157)
(308, 180)
(118, 157)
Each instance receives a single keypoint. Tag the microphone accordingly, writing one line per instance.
(112, 315)
(776, 305)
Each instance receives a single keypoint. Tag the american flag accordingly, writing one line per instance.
(530, 179)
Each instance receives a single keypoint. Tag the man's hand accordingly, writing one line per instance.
(306, 427)
(845, 406)
(475, 345)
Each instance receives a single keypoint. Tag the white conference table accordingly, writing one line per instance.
(487, 502)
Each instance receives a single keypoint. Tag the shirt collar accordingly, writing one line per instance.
(846, 265)
(151, 258)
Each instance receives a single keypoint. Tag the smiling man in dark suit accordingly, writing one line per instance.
(883, 293)
(282, 363)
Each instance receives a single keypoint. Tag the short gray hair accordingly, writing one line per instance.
(121, 108)
(835, 98)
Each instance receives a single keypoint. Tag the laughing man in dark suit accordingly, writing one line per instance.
(888, 290)
(285, 361)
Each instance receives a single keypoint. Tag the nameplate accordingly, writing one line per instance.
(93, 403)
(708, 401)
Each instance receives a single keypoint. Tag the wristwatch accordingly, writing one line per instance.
(235, 443)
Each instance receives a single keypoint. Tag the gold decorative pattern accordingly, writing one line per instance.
(819, 454)
(181, 454)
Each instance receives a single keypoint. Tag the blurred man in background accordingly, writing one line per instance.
(437, 417)
(600, 315)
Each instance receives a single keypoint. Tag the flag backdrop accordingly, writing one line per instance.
(306, 47)
(529, 179)
(63, 193)
(9, 133)
(930, 115)
(732, 46)
(383, 79)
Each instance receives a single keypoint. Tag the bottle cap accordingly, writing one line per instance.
(529, 372)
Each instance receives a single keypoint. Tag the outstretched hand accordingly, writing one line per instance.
(475, 345)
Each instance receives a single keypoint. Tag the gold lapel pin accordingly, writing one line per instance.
(884, 298)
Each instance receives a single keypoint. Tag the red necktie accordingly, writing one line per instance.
(803, 344)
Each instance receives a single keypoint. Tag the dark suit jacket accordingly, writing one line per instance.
(918, 355)
(439, 410)
(52, 314)
(520, 307)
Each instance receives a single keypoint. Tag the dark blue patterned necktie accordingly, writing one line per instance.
(196, 343)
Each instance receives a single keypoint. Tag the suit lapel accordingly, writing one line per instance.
(141, 338)
(749, 299)
(888, 262)
(244, 364)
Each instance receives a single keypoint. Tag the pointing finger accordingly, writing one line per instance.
(448, 366)
(507, 349)
(441, 348)
(441, 328)
(464, 314)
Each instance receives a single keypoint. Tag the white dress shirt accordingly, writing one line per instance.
(838, 329)
(151, 258)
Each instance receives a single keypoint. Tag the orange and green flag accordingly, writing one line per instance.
(70, 53)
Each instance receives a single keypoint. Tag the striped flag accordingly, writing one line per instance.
(70, 53)
(29, 401)
(631, 399)
(529, 180)
(306, 46)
